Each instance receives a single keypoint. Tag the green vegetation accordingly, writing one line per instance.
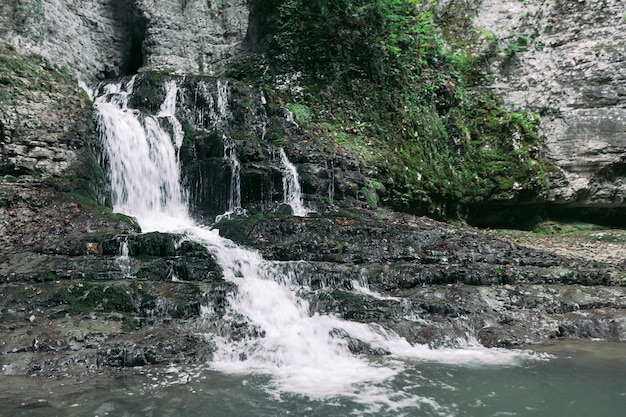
(89, 298)
(576, 230)
(583, 231)
(23, 77)
(379, 80)
(90, 205)
(517, 44)
(188, 131)
(301, 113)
(86, 299)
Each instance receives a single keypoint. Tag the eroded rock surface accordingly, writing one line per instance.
(564, 60)
(437, 284)
(44, 124)
(108, 38)
(73, 300)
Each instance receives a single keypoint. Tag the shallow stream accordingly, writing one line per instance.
(579, 379)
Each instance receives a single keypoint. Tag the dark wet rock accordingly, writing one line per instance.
(357, 346)
(284, 210)
(70, 303)
(436, 284)
(399, 251)
(221, 117)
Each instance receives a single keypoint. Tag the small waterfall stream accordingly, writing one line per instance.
(292, 193)
(305, 353)
(230, 154)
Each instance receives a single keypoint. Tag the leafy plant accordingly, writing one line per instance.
(301, 112)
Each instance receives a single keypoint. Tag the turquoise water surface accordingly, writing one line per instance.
(578, 379)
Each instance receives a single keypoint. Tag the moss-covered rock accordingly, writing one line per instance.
(378, 80)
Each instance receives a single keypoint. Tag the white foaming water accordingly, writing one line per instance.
(168, 111)
(234, 198)
(123, 260)
(142, 160)
(301, 351)
(362, 286)
(292, 193)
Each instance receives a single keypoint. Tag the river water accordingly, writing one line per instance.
(292, 362)
(578, 379)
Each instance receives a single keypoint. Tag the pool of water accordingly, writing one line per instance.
(570, 378)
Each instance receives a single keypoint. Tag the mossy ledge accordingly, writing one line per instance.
(383, 82)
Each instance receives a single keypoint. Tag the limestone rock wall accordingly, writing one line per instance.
(566, 61)
(97, 39)
(89, 38)
(44, 122)
(193, 36)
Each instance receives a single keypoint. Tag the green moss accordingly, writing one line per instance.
(369, 197)
(89, 298)
(21, 77)
(189, 132)
(90, 205)
(240, 229)
(344, 214)
(379, 82)
(128, 325)
(301, 112)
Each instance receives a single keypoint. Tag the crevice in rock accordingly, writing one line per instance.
(2, 134)
(254, 40)
(134, 25)
(613, 171)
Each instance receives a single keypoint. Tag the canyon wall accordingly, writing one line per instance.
(565, 61)
(97, 39)
(562, 60)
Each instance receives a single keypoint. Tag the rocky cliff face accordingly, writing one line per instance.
(107, 38)
(44, 124)
(565, 61)
(56, 248)
(562, 60)
(193, 36)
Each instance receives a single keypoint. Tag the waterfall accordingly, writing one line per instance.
(142, 158)
(123, 260)
(234, 196)
(331, 182)
(305, 354)
(230, 151)
(220, 117)
(168, 111)
(292, 193)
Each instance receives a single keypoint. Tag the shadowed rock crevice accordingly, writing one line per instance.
(134, 26)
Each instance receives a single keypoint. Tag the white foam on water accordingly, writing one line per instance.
(142, 161)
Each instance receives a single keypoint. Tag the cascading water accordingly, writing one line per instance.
(123, 260)
(234, 197)
(168, 110)
(292, 193)
(141, 157)
(222, 116)
(305, 354)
